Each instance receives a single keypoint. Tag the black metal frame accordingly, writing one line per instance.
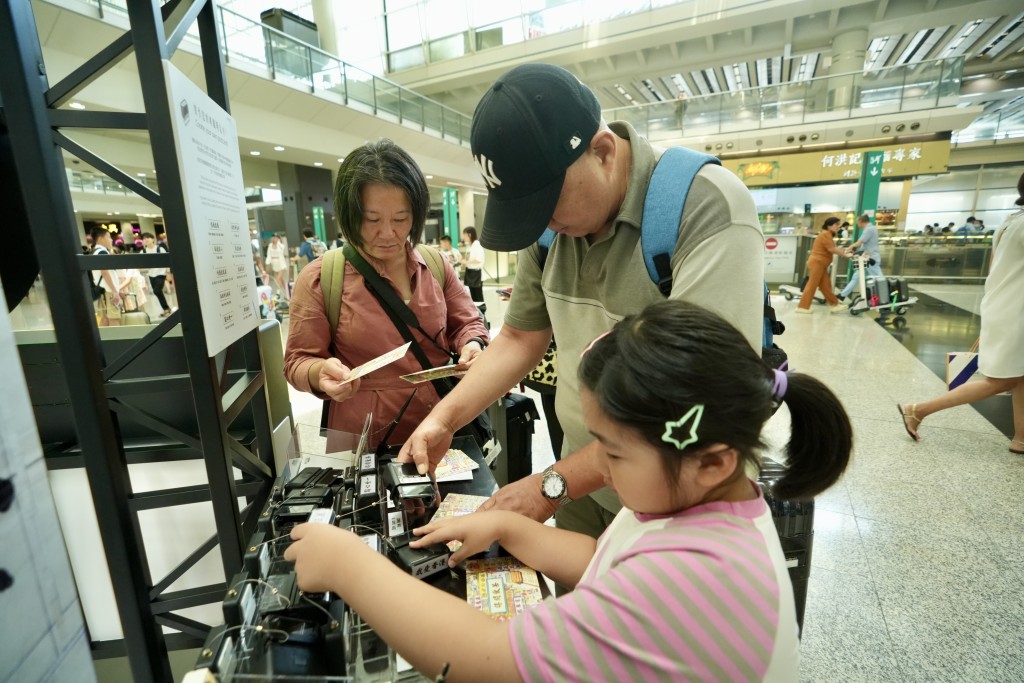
(30, 112)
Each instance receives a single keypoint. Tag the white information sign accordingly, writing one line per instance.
(206, 140)
(780, 255)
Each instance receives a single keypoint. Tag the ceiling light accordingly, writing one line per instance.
(109, 214)
(318, 163)
(341, 159)
(141, 175)
(430, 177)
(878, 52)
(254, 153)
(278, 148)
(77, 105)
(273, 184)
(1008, 36)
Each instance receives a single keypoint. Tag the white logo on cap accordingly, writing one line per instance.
(575, 141)
(486, 167)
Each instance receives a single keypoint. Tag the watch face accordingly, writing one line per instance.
(553, 486)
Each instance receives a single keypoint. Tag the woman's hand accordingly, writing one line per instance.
(332, 379)
(476, 531)
(469, 353)
(318, 551)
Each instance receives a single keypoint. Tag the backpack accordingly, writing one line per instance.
(659, 230)
(318, 247)
(332, 278)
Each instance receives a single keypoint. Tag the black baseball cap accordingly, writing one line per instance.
(529, 127)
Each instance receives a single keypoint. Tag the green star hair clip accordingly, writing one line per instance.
(675, 431)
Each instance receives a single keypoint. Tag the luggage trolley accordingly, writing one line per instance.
(882, 294)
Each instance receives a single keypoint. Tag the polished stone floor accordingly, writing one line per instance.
(918, 555)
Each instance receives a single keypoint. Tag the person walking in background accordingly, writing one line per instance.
(1001, 344)
(108, 304)
(449, 252)
(157, 276)
(869, 243)
(277, 265)
(680, 110)
(817, 268)
(474, 265)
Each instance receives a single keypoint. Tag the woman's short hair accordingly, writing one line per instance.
(378, 163)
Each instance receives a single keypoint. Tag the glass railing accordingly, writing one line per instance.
(925, 85)
(1005, 123)
(96, 183)
(253, 44)
(474, 28)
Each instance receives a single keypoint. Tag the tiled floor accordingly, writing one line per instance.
(918, 555)
(916, 567)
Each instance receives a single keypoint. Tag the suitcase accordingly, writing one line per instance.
(794, 522)
(882, 290)
(132, 314)
(898, 289)
(513, 418)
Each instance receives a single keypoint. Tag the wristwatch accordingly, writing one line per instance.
(553, 486)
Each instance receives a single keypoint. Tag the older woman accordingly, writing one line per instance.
(381, 200)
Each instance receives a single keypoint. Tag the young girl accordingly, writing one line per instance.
(688, 583)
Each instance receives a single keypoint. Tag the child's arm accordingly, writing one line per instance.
(562, 555)
(428, 627)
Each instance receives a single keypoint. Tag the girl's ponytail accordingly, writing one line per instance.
(821, 439)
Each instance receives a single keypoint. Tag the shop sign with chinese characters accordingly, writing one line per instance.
(835, 165)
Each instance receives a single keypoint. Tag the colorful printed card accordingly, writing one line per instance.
(501, 587)
(454, 466)
(378, 362)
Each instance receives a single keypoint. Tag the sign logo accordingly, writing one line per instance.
(771, 243)
(575, 141)
(184, 110)
(754, 169)
(486, 168)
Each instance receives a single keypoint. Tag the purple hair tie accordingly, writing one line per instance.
(781, 382)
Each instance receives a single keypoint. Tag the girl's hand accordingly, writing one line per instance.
(477, 532)
(318, 551)
(332, 380)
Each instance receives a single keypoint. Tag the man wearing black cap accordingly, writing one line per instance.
(549, 160)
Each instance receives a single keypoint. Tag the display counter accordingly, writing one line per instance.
(273, 631)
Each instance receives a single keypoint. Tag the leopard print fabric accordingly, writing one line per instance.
(546, 372)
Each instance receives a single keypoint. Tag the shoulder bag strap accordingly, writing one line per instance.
(332, 282)
(434, 262)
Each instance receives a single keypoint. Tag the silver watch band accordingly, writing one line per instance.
(565, 486)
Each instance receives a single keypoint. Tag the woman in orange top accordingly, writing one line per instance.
(817, 268)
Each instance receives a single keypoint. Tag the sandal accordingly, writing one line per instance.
(1015, 442)
(904, 415)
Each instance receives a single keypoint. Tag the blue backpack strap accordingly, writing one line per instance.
(545, 245)
(663, 209)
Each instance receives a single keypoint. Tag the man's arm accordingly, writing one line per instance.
(583, 471)
(505, 362)
(115, 295)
